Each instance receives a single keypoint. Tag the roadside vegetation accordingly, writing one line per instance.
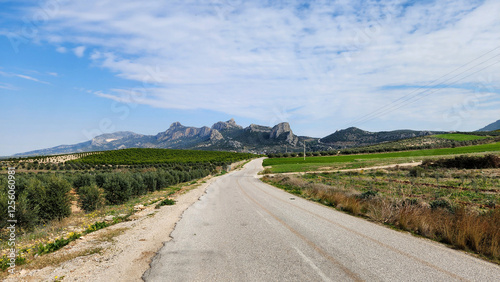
(451, 200)
(441, 141)
(56, 203)
(298, 164)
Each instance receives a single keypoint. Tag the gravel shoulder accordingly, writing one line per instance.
(121, 252)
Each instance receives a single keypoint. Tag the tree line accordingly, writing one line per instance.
(44, 197)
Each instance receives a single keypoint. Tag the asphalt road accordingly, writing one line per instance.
(245, 230)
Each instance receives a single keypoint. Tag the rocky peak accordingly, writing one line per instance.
(110, 137)
(279, 129)
(176, 124)
(204, 131)
(178, 131)
(215, 135)
(283, 131)
(222, 125)
(258, 128)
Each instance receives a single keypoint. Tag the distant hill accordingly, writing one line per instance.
(229, 136)
(353, 137)
(223, 135)
(491, 127)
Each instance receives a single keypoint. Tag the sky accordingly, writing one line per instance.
(71, 70)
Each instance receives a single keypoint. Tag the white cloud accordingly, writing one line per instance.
(79, 51)
(7, 86)
(61, 49)
(275, 61)
(30, 78)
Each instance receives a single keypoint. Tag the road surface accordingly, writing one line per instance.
(245, 230)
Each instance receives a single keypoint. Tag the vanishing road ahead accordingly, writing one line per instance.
(245, 230)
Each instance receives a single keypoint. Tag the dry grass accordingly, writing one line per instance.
(107, 235)
(56, 259)
(462, 228)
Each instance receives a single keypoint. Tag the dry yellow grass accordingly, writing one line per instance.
(462, 228)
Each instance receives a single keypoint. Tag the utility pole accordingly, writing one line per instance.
(304, 150)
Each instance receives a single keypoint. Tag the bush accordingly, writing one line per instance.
(368, 194)
(138, 185)
(90, 198)
(166, 202)
(118, 189)
(441, 204)
(100, 179)
(416, 172)
(50, 196)
(467, 162)
(84, 179)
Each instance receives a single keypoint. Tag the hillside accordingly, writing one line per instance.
(491, 127)
(354, 137)
(229, 136)
(223, 135)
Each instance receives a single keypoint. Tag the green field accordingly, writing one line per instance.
(153, 156)
(280, 165)
(460, 137)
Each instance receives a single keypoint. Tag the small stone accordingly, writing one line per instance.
(139, 207)
(109, 218)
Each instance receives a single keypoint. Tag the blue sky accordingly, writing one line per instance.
(70, 70)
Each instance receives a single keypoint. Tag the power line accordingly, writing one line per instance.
(401, 102)
(374, 115)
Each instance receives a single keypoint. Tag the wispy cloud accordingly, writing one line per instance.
(61, 49)
(281, 59)
(31, 78)
(7, 86)
(27, 77)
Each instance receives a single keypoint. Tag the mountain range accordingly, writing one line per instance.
(491, 127)
(229, 136)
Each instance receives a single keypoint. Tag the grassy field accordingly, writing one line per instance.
(460, 137)
(280, 165)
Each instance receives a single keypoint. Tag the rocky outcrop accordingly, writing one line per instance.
(205, 131)
(230, 124)
(110, 137)
(215, 135)
(178, 131)
(223, 135)
(283, 131)
(258, 128)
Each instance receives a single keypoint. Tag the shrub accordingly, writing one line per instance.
(52, 246)
(441, 204)
(118, 189)
(49, 196)
(368, 194)
(96, 226)
(416, 172)
(467, 162)
(166, 202)
(83, 179)
(100, 179)
(90, 198)
(138, 185)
